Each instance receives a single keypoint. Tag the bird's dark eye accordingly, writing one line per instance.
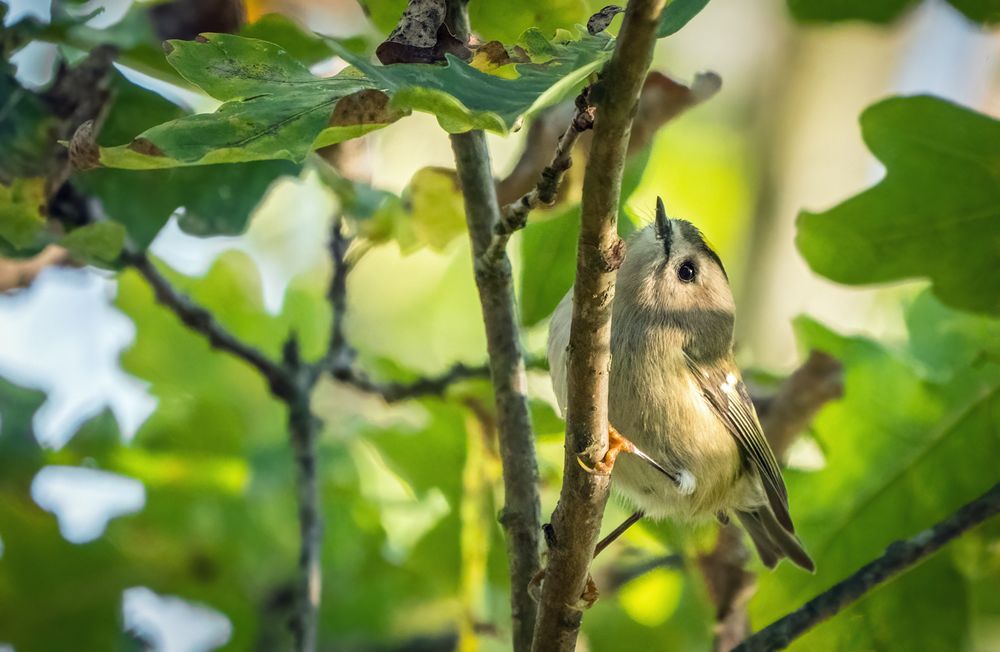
(687, 271)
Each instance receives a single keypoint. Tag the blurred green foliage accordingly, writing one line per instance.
(412, 551)
(883, 11)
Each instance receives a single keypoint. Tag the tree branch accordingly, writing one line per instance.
(577, 518)
(393, 392)
(521, 516)
(515, 215)
(202, 321)
(662, 99)
(339, 353)
(784, 416)
(304, 429)
(898, 557)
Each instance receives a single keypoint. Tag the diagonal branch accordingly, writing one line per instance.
(577, 519)
(199, 319)
(898, 557)
(515, 215)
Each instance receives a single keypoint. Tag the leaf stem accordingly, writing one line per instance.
(514, 215)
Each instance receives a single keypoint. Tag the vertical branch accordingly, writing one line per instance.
(339, 354)
(304, 428)
(521, 513)
(577, 519)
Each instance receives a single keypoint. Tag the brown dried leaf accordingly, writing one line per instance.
(365, 107)
(490, 56)
(145, 146)
(421, 36)
(600, 21)
(84, 154)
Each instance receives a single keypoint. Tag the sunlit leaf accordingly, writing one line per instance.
(677, 14)
(437, 210)
(936, 214)
(217, 199)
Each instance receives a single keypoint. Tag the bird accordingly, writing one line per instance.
(676, 398)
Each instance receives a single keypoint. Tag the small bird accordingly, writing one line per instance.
(676, 397)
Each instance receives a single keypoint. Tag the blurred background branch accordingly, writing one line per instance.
(899, 556)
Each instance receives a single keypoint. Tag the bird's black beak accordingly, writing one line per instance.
(663, 231)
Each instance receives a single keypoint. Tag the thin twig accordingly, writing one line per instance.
(304, 429)
(339, 354)
(577, 519)
(425, 386)
(515, 215)
(199, 319)
(393, 392)
(898, 557)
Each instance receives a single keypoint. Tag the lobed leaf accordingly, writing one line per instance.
(936, 213)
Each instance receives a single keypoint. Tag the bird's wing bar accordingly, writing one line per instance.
(725, 392)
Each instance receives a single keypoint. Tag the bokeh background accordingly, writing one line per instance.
(146, 480)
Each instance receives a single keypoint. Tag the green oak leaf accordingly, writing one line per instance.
(505, 21)
(677, 14)
(465, 98)
(99, 243)
(217, 199)
(935, 214)
(303, 45)
(438, 213)
(897, 459)
(274, 108)
(884, 11)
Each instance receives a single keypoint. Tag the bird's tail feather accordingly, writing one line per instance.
(772, 541)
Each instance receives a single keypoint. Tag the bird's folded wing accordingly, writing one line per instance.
(725, 392)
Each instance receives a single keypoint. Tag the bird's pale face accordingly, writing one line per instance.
(678, 281)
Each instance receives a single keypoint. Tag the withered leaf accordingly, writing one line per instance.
(366, 107)
(421, 36)
(600, 21)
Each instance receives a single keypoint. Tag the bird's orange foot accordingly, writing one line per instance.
(587, 598)
(616, 444)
